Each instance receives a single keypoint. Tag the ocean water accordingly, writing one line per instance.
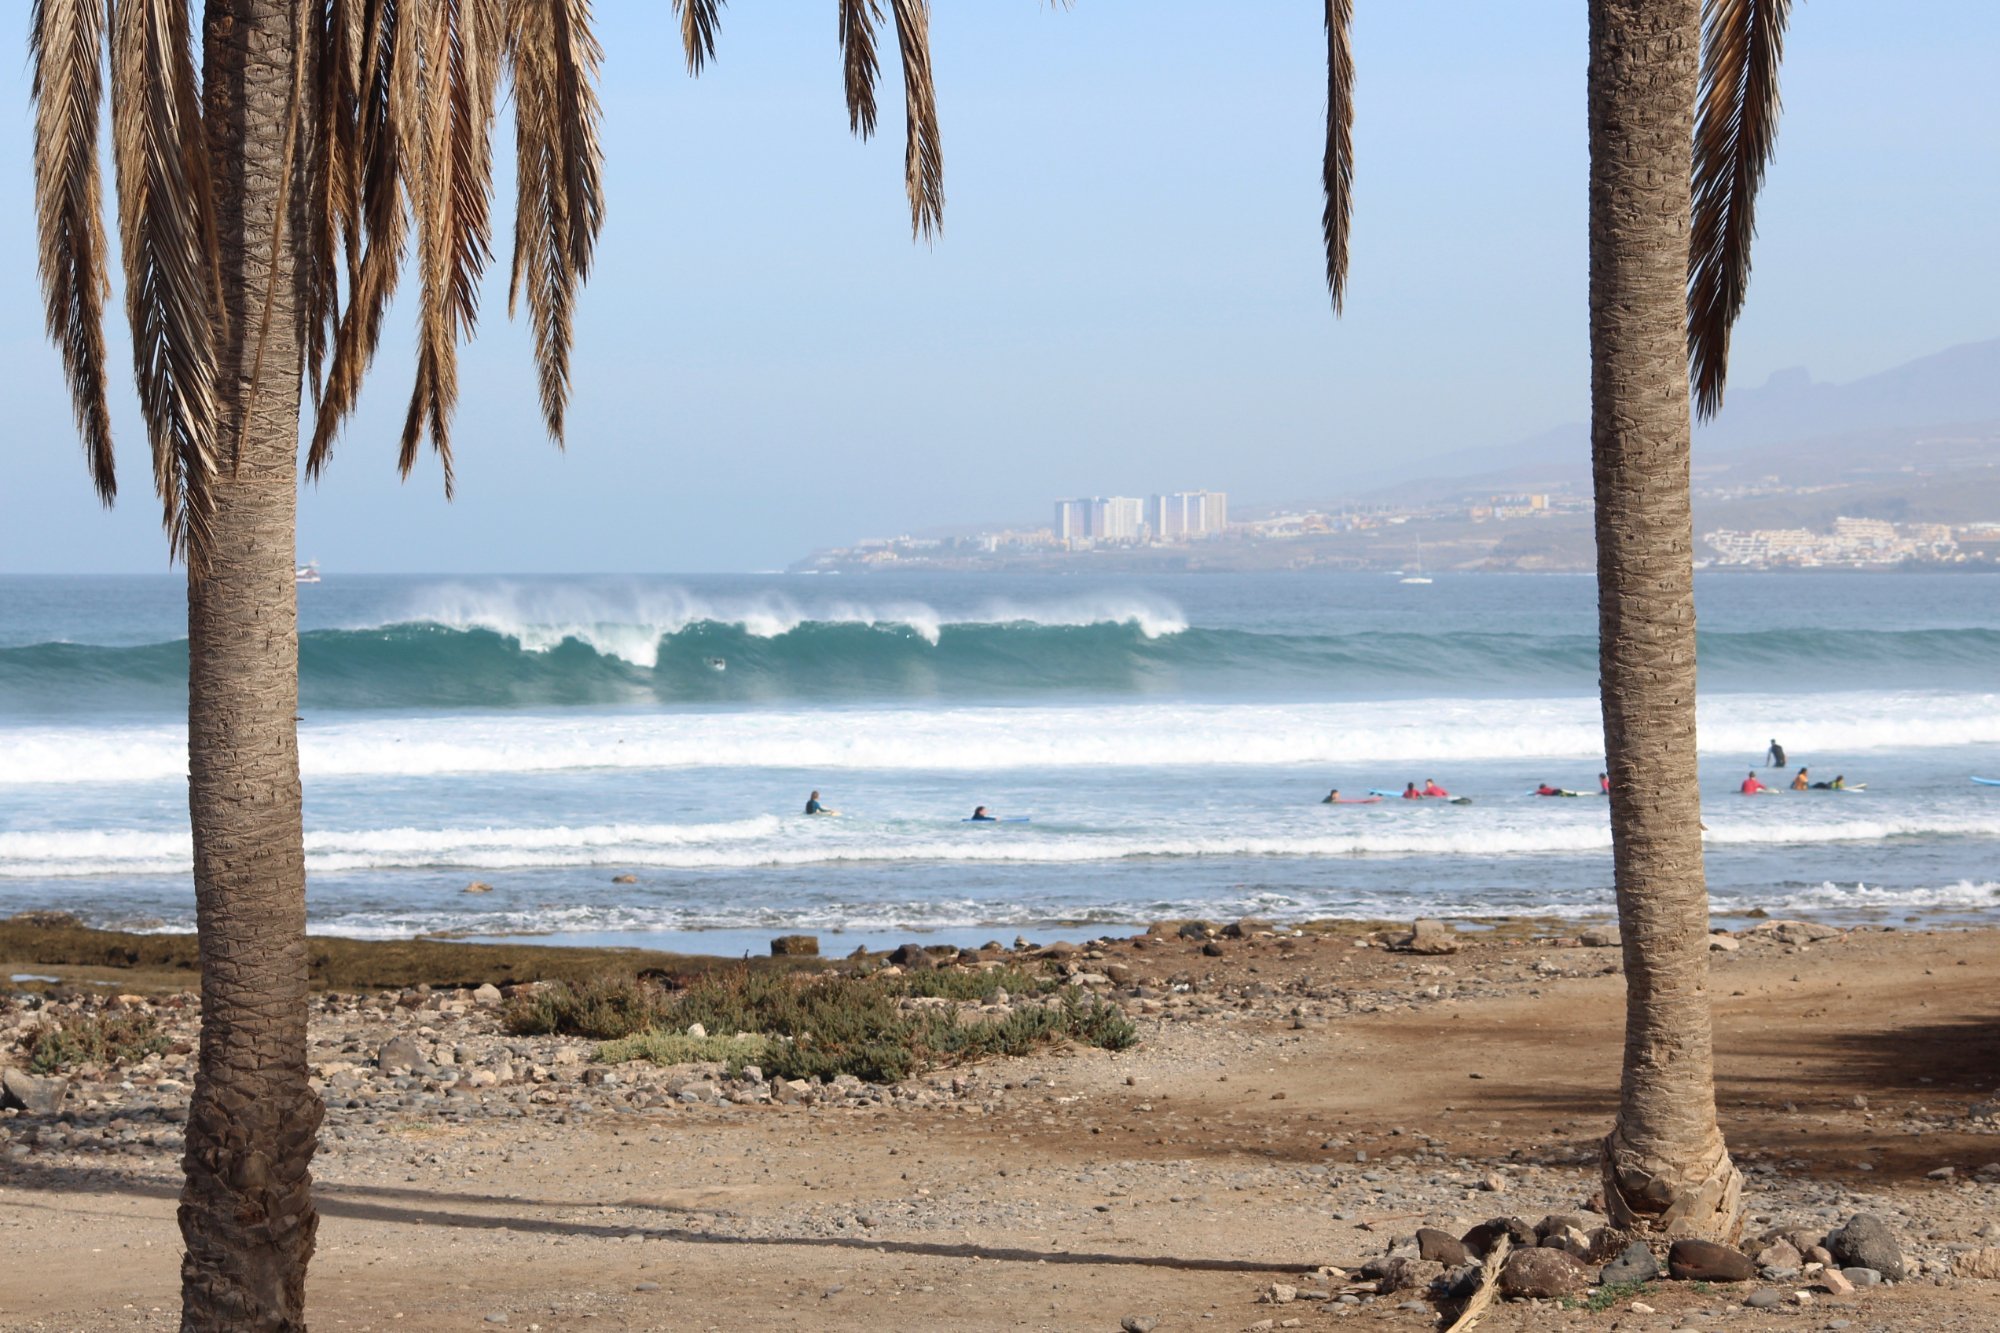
(1168, 739)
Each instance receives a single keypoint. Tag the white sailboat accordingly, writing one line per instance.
(306, 573)
(1416, 574)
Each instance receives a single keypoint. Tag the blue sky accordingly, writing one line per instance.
(1126, 297)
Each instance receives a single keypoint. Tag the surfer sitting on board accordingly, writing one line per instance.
(979, 815)
(1752, 787)
(813, 807)
(1431, 788)
(1803, 781)
(1775, 756)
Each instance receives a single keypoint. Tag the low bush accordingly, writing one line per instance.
(109, 1040)
(821, 1026)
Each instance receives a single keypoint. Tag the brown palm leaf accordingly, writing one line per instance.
(1736, 131)
(553, 58)
(857, 49)
(1337, 170)
(449, 127)
(172, 273)
(328, 174)
(375, 234)
(923, 156)
(66, 44)
(698, 20)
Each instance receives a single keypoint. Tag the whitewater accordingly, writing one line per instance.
(1167, 738)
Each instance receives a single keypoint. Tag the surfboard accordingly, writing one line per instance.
(1355, 800)
(1461, 800)
(1382, 791)
(1988, 782)
(997, 819)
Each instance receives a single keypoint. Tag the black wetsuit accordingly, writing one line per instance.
(1776, 757)
(814, 808)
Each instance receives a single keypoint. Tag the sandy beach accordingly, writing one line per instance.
(1295, 1104)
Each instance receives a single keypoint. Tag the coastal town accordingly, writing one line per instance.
(1547, 531)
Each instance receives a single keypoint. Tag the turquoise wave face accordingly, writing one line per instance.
(425, 665)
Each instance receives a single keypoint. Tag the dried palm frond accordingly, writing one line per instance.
(559, 169)
(66, 44)
(1736, 131)
(167, 234)
(923, 157)
(376, 227)
(698, 19)
(857, 49)
(1337, 169)
(328, 183)
(448, 126)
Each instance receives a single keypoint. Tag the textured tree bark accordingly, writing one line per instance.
(1666, 1168)
(246, 1210)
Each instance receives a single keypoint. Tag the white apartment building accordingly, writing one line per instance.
(1099, 518)
(1184, 515)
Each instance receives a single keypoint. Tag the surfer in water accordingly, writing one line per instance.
(1332, 797)
(1775, 756)
(1803, 781)
(1604, 783)
(813, 807)
(979, 815)
(1838, 784)
(1546, 790)
(1431, 788)
(1410, 793)
(1751, 786)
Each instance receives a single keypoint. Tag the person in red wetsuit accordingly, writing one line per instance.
(1604, 783)
(1751, 786)
(1410, 793)
(1431, 788)
(1546, 790)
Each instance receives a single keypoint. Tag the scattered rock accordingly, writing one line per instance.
(1834, 1281)
(29, 1093)
(697, 1031)
(913, 956)
(1984, 1263)
(1248, 926)
(1635, 1263)
(1600, 937)
(1405, 1274)
(1705, 1261)
(1780, 1255)
(1429, 936)
(41, 920)
(1480, 1238)
(1764, 1298)
(795, 946)
(1862, 1277)
(1441, 1247)
(1542, 1274)
(1867, 1242)
(1212, 949)
(1794, 932)
(1138, 1323)
(401, 1055)
(1195, 930)
(487, 995)
(1278, 1293)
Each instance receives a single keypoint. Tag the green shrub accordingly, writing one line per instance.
(109, 1040)
(820, 1025)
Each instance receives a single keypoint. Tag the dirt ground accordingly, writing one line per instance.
(1172, 1182)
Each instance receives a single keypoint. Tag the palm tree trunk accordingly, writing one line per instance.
(1666, 1168)
(246, 1209)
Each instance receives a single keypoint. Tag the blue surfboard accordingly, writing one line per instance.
(998, 819)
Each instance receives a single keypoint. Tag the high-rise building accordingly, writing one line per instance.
(1100, 518)
(1186, 515)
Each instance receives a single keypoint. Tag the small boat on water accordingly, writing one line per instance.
(306, 573)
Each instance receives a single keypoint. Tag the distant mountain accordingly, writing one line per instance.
(1939, 410)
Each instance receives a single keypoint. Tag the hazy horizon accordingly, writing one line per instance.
(1127, 296)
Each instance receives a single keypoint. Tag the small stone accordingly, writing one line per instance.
(1723, 944)
(1635, 1263)
(1600, 937)
(1441, 1247)
(1705, 1261)
(1780, 1255)
(1481, 1238)
(1862, 1277)
(1428, 935)
(1403, 1273)
(1941, 1173)
(1542, 1274)
(1640, 1307)
(1764, 1298)
(1138, 1323)
(496, 1319)
(1278, 1293)
(31, 1094)
(646, 1286)
(1867, 1242)
(1834, 1282)
(1493, 1183)
(1212, 949)
(697, 1031)
(1982, 1263)
(401, 1055)
(795, 946)
(487, 995)
(914, 957)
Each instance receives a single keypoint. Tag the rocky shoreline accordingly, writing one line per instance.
(425, 1087)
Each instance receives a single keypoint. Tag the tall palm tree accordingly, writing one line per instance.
(1683, 111)
(266, 205)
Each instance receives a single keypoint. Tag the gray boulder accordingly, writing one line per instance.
(30, 1093)
(1867, 1242)
(1634, 1264)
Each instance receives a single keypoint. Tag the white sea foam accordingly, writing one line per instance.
(630, 622)
(1150, 735)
